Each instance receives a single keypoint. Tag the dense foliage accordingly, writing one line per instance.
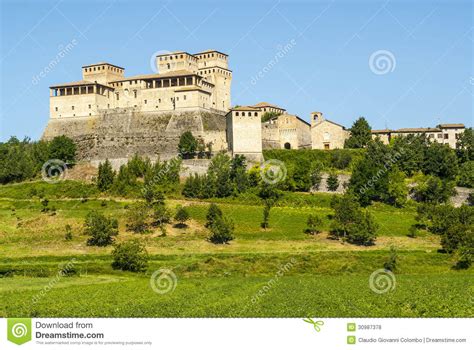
(130, 256)
(23, 160)
(361, 134)
(100, 228)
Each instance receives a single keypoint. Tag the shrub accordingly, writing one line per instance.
(161, 215)
(137, 217)
(470, 199)
(269, 195)
(313, 224)
(352, 223)
(68, 235)
(100, 228)
(315, 177)
(466, 174)
(213, 213)
(412, 231)
(397, 190)
(187, 144)
(106, 176)
(63, 148)
(332, 182)
(181, 215)
(222, 231)
(130, 256)
(440, 161)
(391, 263)
(340, 159)
(432, 189)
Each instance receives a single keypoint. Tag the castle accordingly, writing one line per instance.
(109, 115)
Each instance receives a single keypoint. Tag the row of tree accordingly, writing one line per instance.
(23, 160)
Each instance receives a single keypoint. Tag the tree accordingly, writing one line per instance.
(100, 228)
(130, 256)
(440, 160)
(340, 158)
(63, 148)
(410, 152)
(213, 213)
(181, 215)
(269, 195)
(161, 215)
(391, 263)
(68, 235)
(269, 115)
(360, 134)
(465, 145)
(238, 173)
(316, 176)
(187, 144)
(106, 176)
(397, 190)
(332, 182)
(352, 223)
(466, 174)
(222, 231)
(219, 173)
(137, 217)
(313, 224)
(432, 189)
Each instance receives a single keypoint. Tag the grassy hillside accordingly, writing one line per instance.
(326, 277)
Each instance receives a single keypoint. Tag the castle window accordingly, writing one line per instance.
(185, 100)
(440, 136)
(135, 93)
(446, 136)
(89, 106)
(56, 109)
(108, 105)
(144, 101)
(177, 98)
(72, 107)
(256, 114)
(249, 114)
(117, 95)
(237, 114)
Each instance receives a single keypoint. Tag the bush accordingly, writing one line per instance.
(130, 256)
(332, 182)
(63, 148)
(187, 144)
(313, 224)
(68, 235)
(466, 174)
(340, 159)
(213, 213)
(106, 176)
(181, 215)
(352, 223)
(316, 177)
(161, 215)
(137, 217)
(222, 231)
(397, 190)
(412, 232)
(391, 263)
(100, 228)
(432, 189)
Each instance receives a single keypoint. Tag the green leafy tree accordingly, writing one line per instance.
(269, 115)
(313, 224)
(105, 178)
(222, 230)
(137, 217)
(361, 134)
(397, 190)
(100, 228)
(181, 215)
(465, 145)
(340, 159)
(391, 263)
(269, 195)
(440, 160)
(213, 213)
(68, 235)
(316, 176)
(130, 256)
(332, 182)
(238, 173)
(433, 190)
(219, 173)
(466, 174)
(63, 148)
(410, 152)
(187, 144)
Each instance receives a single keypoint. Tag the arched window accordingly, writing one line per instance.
(287, 145)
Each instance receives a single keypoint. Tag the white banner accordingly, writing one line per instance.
(219, 334)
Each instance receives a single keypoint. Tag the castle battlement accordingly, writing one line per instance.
(184, 82)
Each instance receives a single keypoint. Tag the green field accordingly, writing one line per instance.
(323, 277)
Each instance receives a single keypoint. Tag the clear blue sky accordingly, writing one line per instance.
(429, 77)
